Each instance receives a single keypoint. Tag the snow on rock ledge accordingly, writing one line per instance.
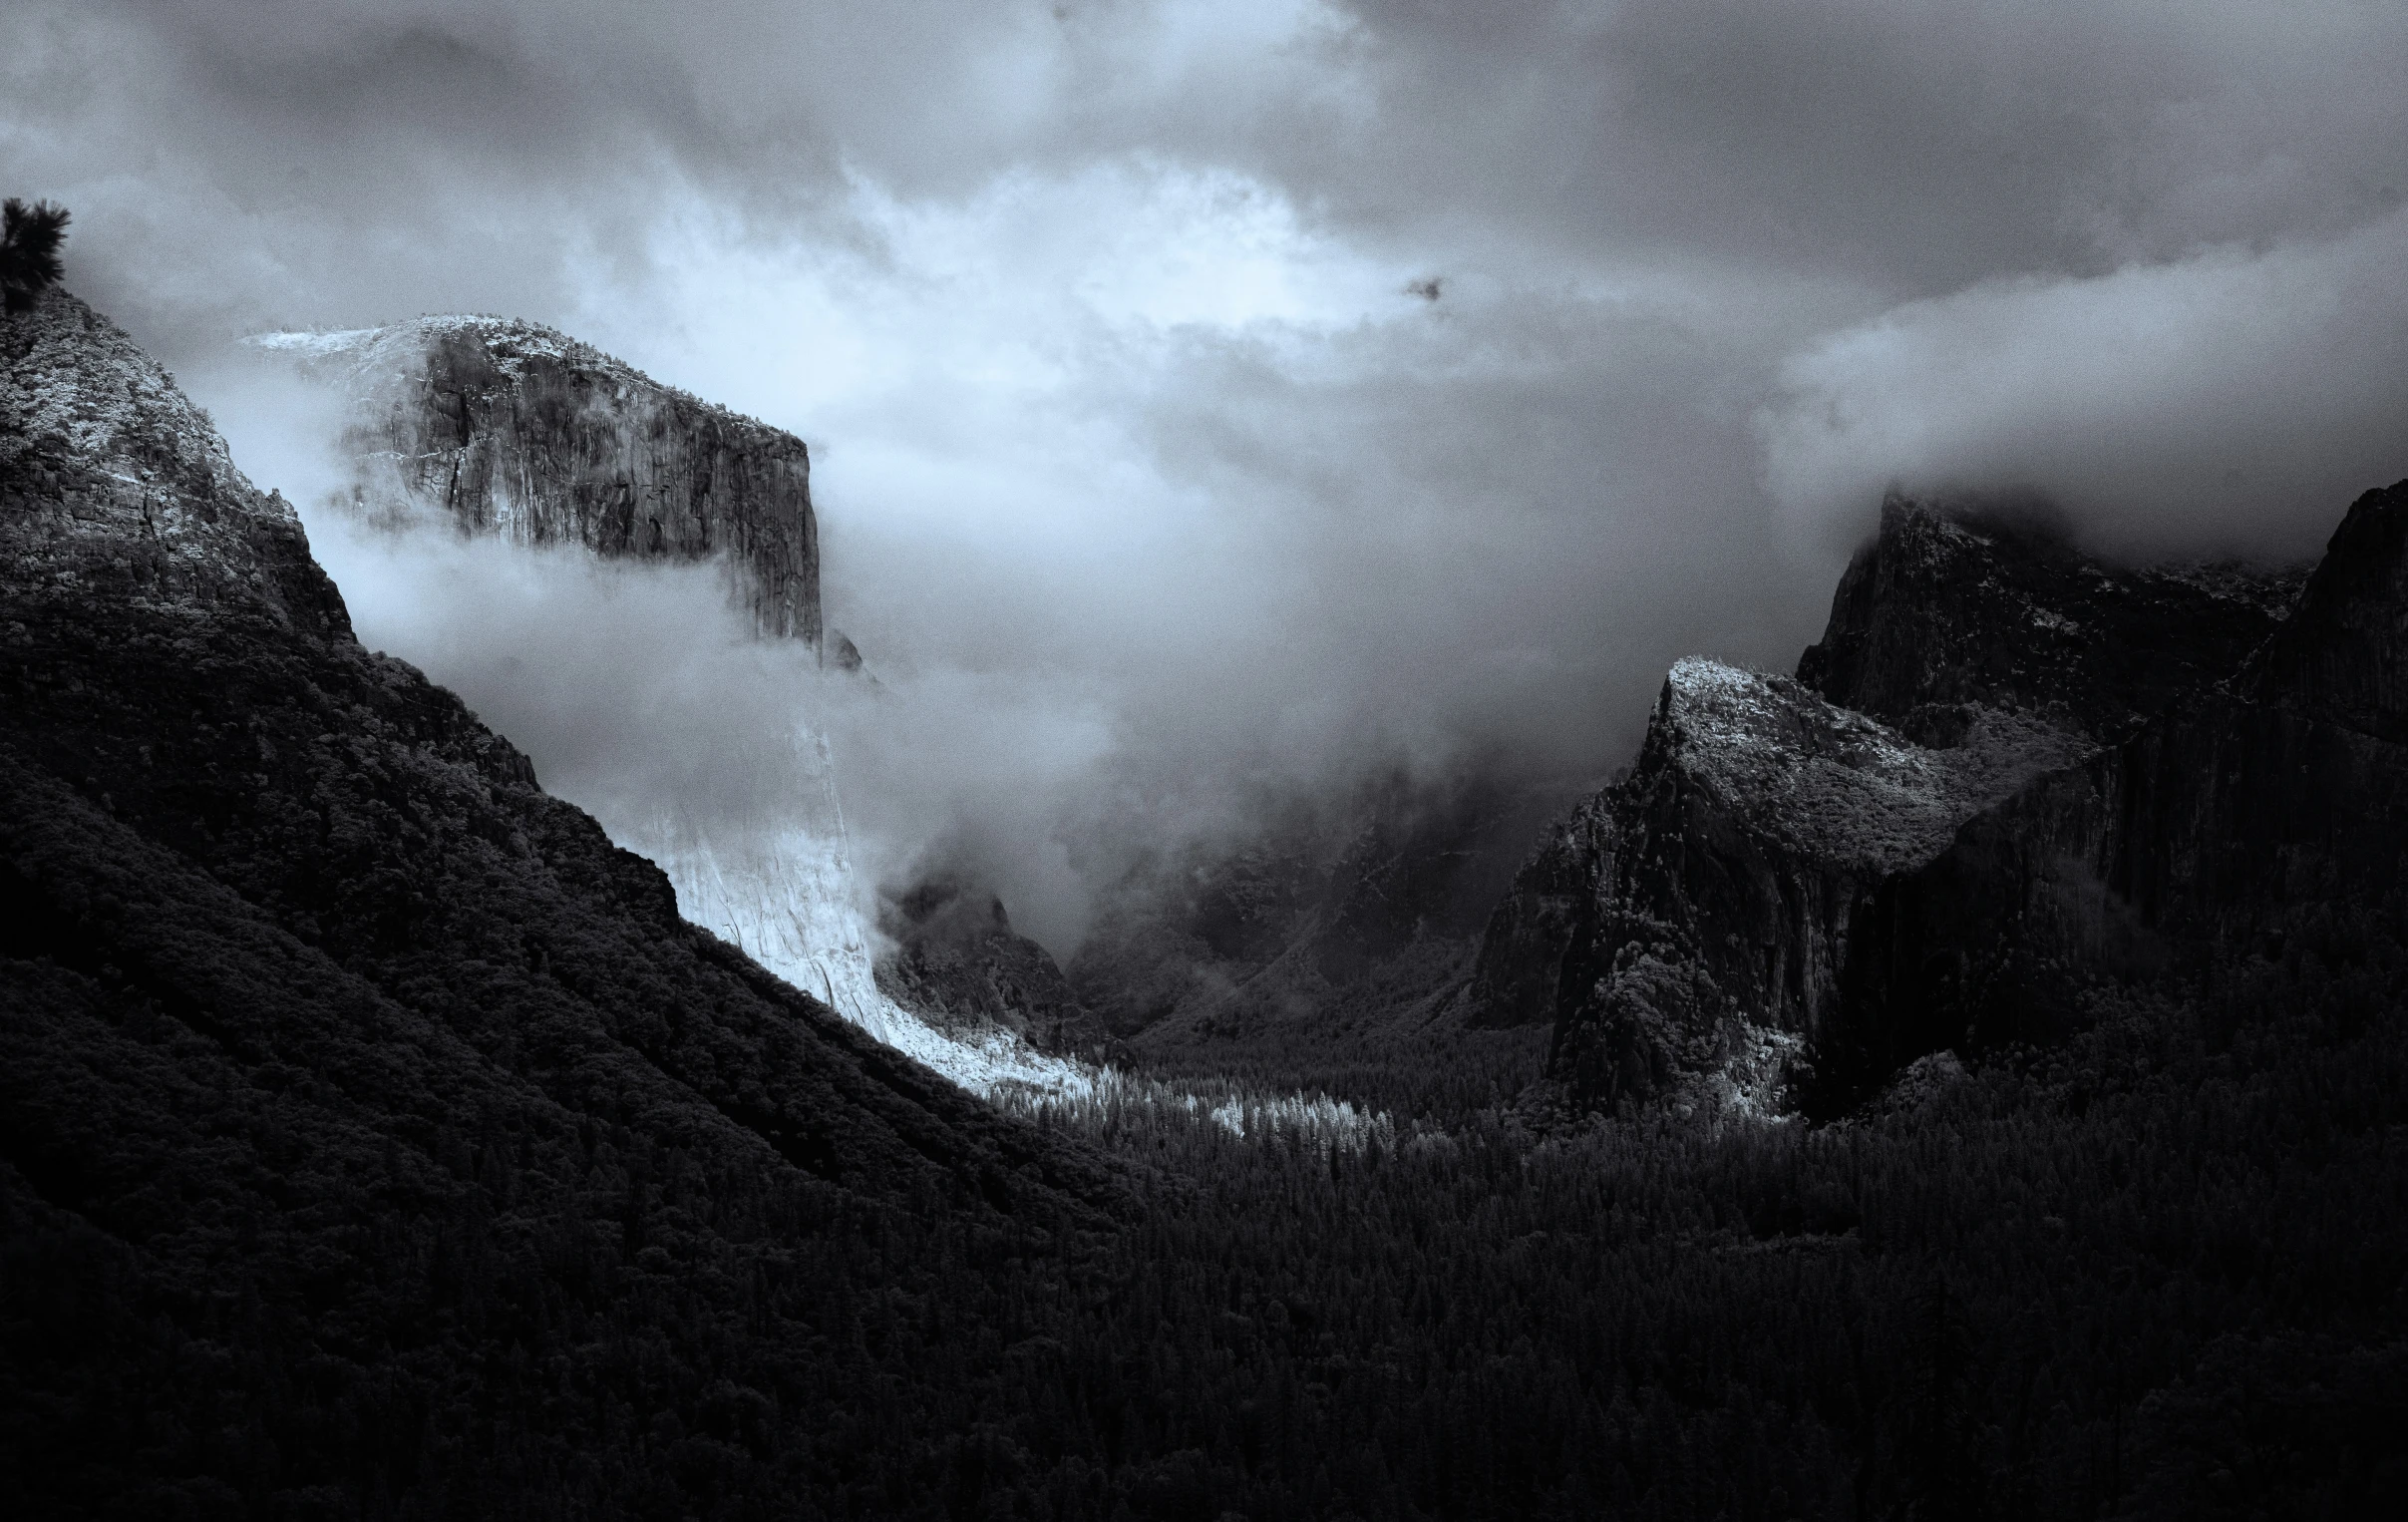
(511, 428)
(1686, 928)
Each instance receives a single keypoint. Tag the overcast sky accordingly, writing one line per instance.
(1214, 387)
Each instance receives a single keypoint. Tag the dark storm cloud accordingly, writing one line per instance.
(1904, 150)
(1909, 147)
(1140, 468)
(245, 164)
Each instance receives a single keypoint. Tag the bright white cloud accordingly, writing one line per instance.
(2232, 399)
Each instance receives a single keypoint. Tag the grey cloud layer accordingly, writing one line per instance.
(1909, 149)
(1715, 273)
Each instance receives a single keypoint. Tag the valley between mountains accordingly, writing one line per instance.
(1964, 1076)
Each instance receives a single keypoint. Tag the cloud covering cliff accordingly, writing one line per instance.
(1212, 391)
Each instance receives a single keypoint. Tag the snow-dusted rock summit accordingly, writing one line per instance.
(1723, 924)
(1692, 921)
(512, 428)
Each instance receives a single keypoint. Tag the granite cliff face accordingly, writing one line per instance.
(2264, 817)
(1693, 919)
(1947, 613)
(510, 428)
(1804, 884)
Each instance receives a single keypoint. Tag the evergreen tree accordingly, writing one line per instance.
(29, 250)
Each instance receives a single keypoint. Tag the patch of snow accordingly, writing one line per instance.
(312, 345)
(788, 898)
(1834, 783)
(366, 361)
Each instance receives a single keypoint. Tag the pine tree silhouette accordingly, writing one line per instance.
(29, 250)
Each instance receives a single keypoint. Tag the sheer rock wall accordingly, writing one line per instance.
(510, 428)
(1971, 798)
(2262, 816)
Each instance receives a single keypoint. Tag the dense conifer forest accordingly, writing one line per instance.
(2155, 1272)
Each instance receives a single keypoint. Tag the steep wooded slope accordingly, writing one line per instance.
(329, 1042)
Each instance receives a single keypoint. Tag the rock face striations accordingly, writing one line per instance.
(2265, 816)
(511, 428)
(2004, 773)
(1694, 918)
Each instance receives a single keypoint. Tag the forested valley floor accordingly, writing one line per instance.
(2157, 1272)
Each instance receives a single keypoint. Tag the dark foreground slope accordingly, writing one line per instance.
(366, 1118)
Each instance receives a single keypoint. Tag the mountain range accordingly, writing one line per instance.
(1964, 1076)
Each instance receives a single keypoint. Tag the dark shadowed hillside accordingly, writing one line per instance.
(327, 1035)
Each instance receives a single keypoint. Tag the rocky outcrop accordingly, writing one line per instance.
(2263, 818)
(510, 428)
(115, 490)
(956, 959)
(2342, 656)
(1695, 918)
(1751, 915)
(1949, 612)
